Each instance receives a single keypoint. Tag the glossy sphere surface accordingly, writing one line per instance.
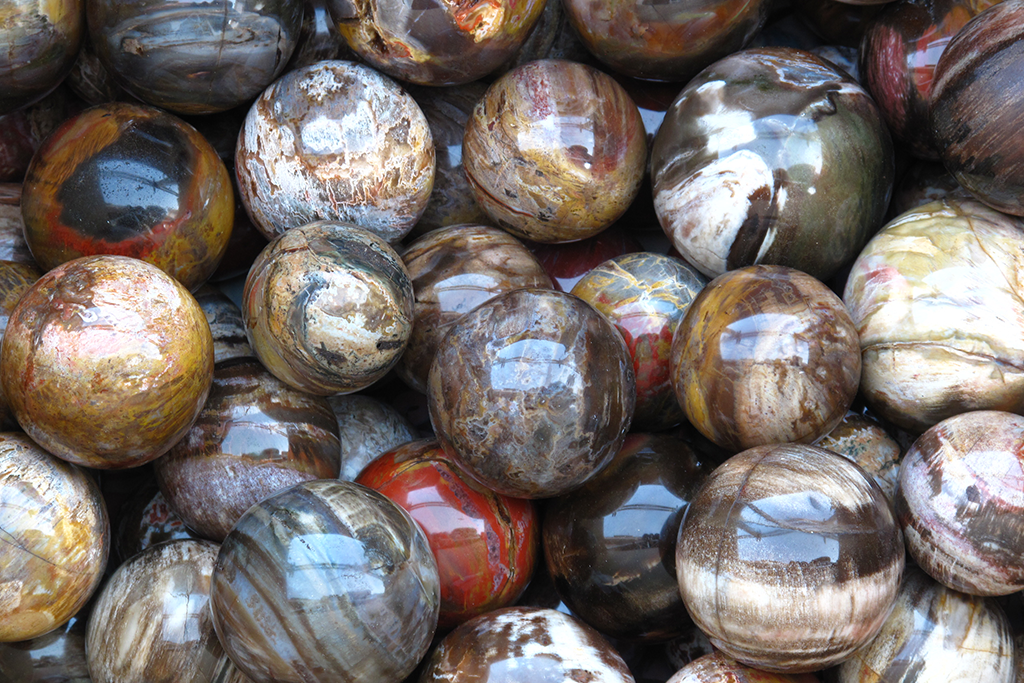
(935, 634)
(568, 262)
(226, 326)
(790, 558)
(454, 270)
(41, 42)
(532, 392)
(325, 581)
(717, 668)
(106, 361)
(670, 41)
(335, 141)
(939, 310)
(129, 180)
(524, 644)
(610, 545)
(15, 279)
(436, 42)
(151, 622)
(901, 48)
(960, 497)
(194, 57)
(57, 657)
(976, 107)
(57, 539)
(865, 442)
(765, 354)
(485, 544)
(328, 308)
(771, 156)
(555, 151)
(254, 436)
(645, 295)
(144, 520)
(367, 427)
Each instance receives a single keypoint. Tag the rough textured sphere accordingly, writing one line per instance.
(194, 57)
(325, 581)
(668, 41)
(335, 141)
(130, 180)
(772, 156)
(610, 545)
(555, 151)
(720, 668)
(524, 644)
(41, 41)
(976, 107)
(936, 634)
(254, 437)
(645, 295)
(532, 392)
(56, 539)
(436, 42)
(151, 622)
(960, 501)
(454, 270)
(790, 558)
(485, 544)
(328, 308)
(106, 361)
(765, 354)
(939, 308)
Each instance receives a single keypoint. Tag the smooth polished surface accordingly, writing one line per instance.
(335, 141)
(901, 48)
(192, 56)
(55, 539)
(566, 263)
(940, 313)
(771, 156)
(328, 308)
(790, 558)
(323, 582)
(41, 40)
(765, 354)
(645, 295)
(555, 151)
(486, 544)
(610, 545)
(865, 442)
(106, 361)
(976, 107)
(367, 427)
(129, 180)
(151, 622)
(720, 668)
(454, 270)
(435, 42)
(532, 392)
(226, 326)
(936, 634)
(255, 436)
(960, 501)
(57, 657)
(524, 644)
(144, 520)
(667, 41)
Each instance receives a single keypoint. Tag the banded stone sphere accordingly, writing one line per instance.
(328, 308)
(107, 361)
(939, 309)
(789, 558)
(325, 581)
(960, 501)
(532, 392)
(765, 354)
(773, 156)
(41, 41)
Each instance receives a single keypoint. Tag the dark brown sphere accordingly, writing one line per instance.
(106, 361)
(532, 392)
(255, 436)
(40, 42)
(765, 354)
(790, 558)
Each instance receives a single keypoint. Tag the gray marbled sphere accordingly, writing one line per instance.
(367, 427)
(326, 581)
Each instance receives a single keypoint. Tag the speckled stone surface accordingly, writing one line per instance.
(335, 141)
(790, 558)
(865, 442)
(367, 427)
(938, 303)
(328, 307)
(56, 539)
(532, 392)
